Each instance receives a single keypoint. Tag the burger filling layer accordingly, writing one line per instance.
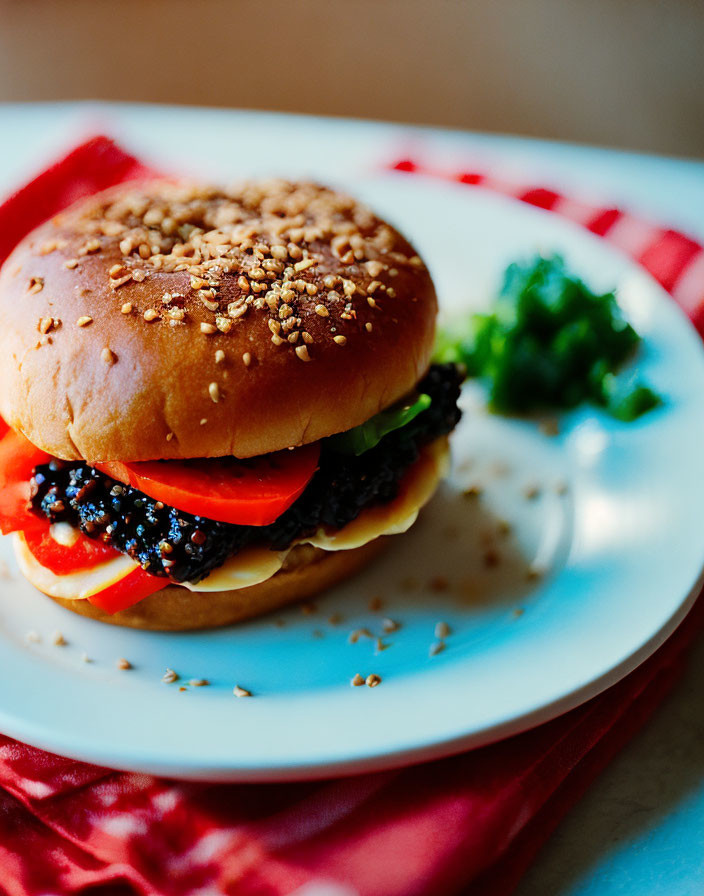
(184, 547)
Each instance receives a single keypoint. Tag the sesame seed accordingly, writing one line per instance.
(531, 492)
(302, 352)
(123, 664)
(214, 392)
(84, 321)
(32, 637)
(45, 324)
(236, 310)
(311, 289)
(117, 270)
(150, 314)
(322, 311)
(85, 658)
(436, 648)
(380, 646)
(199, 682)
(340, 340)
(36, 284)
(373, 680)
(219, 356)
(208, 329)
(198, 282)
(371, 302)
(71, 263)
(203, 421)
(442, 630)
(224, 324)
(169, 677)
(247, 359)
(58, 640)
(368, 326)
(358, 633)
(116, 284)
(89, 247)
(241, 692)
(374, 268)
(138, 276)
(175, 315)
(307, 338)
(107, 356)
(169, 436)
(390, 625)
(357, 681)
(372, 288)
(126, 308)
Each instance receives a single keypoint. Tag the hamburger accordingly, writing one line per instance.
(218, 400)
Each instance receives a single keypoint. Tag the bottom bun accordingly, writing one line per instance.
(177, 609)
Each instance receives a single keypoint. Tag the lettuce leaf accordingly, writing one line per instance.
(370, 433)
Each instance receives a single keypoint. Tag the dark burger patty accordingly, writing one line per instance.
(184, 547)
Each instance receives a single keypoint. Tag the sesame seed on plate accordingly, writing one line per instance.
(442, 630)
(150, 314)
(373, 680)
(390, 625)
(108, 357)
(84, 320)
(357, 681)
(199, 682)
(123, 665)
(58, 640)
(169, 677)
(208, 329)
(436, 648)
(241, 692)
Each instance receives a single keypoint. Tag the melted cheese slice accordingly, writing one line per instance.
(254, 565)
(250, 567)
(416, 489)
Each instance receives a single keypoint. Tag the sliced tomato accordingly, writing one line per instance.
(85, 554)
(252, 492)
(18, 458)
(135, 586)
(61, 559)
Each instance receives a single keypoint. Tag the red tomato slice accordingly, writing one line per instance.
(135, 586)
(252, 492)
(62, 559)
(18, 458)
(84, 554)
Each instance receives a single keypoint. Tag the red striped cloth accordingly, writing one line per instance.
(470, 824)
(674, 259)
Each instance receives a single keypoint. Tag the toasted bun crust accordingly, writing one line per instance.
(177, 609)
(276, 314)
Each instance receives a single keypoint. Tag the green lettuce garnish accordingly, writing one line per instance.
(550, 343)
(368, 434)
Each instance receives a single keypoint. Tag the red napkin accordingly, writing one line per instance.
(468, 824)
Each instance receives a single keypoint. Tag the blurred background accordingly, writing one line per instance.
(627, 73)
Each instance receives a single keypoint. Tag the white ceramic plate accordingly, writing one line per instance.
(610, 512)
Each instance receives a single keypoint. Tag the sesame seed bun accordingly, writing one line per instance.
(177, 609)
(172, 320)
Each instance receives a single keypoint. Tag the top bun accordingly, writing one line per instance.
(177, 320)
